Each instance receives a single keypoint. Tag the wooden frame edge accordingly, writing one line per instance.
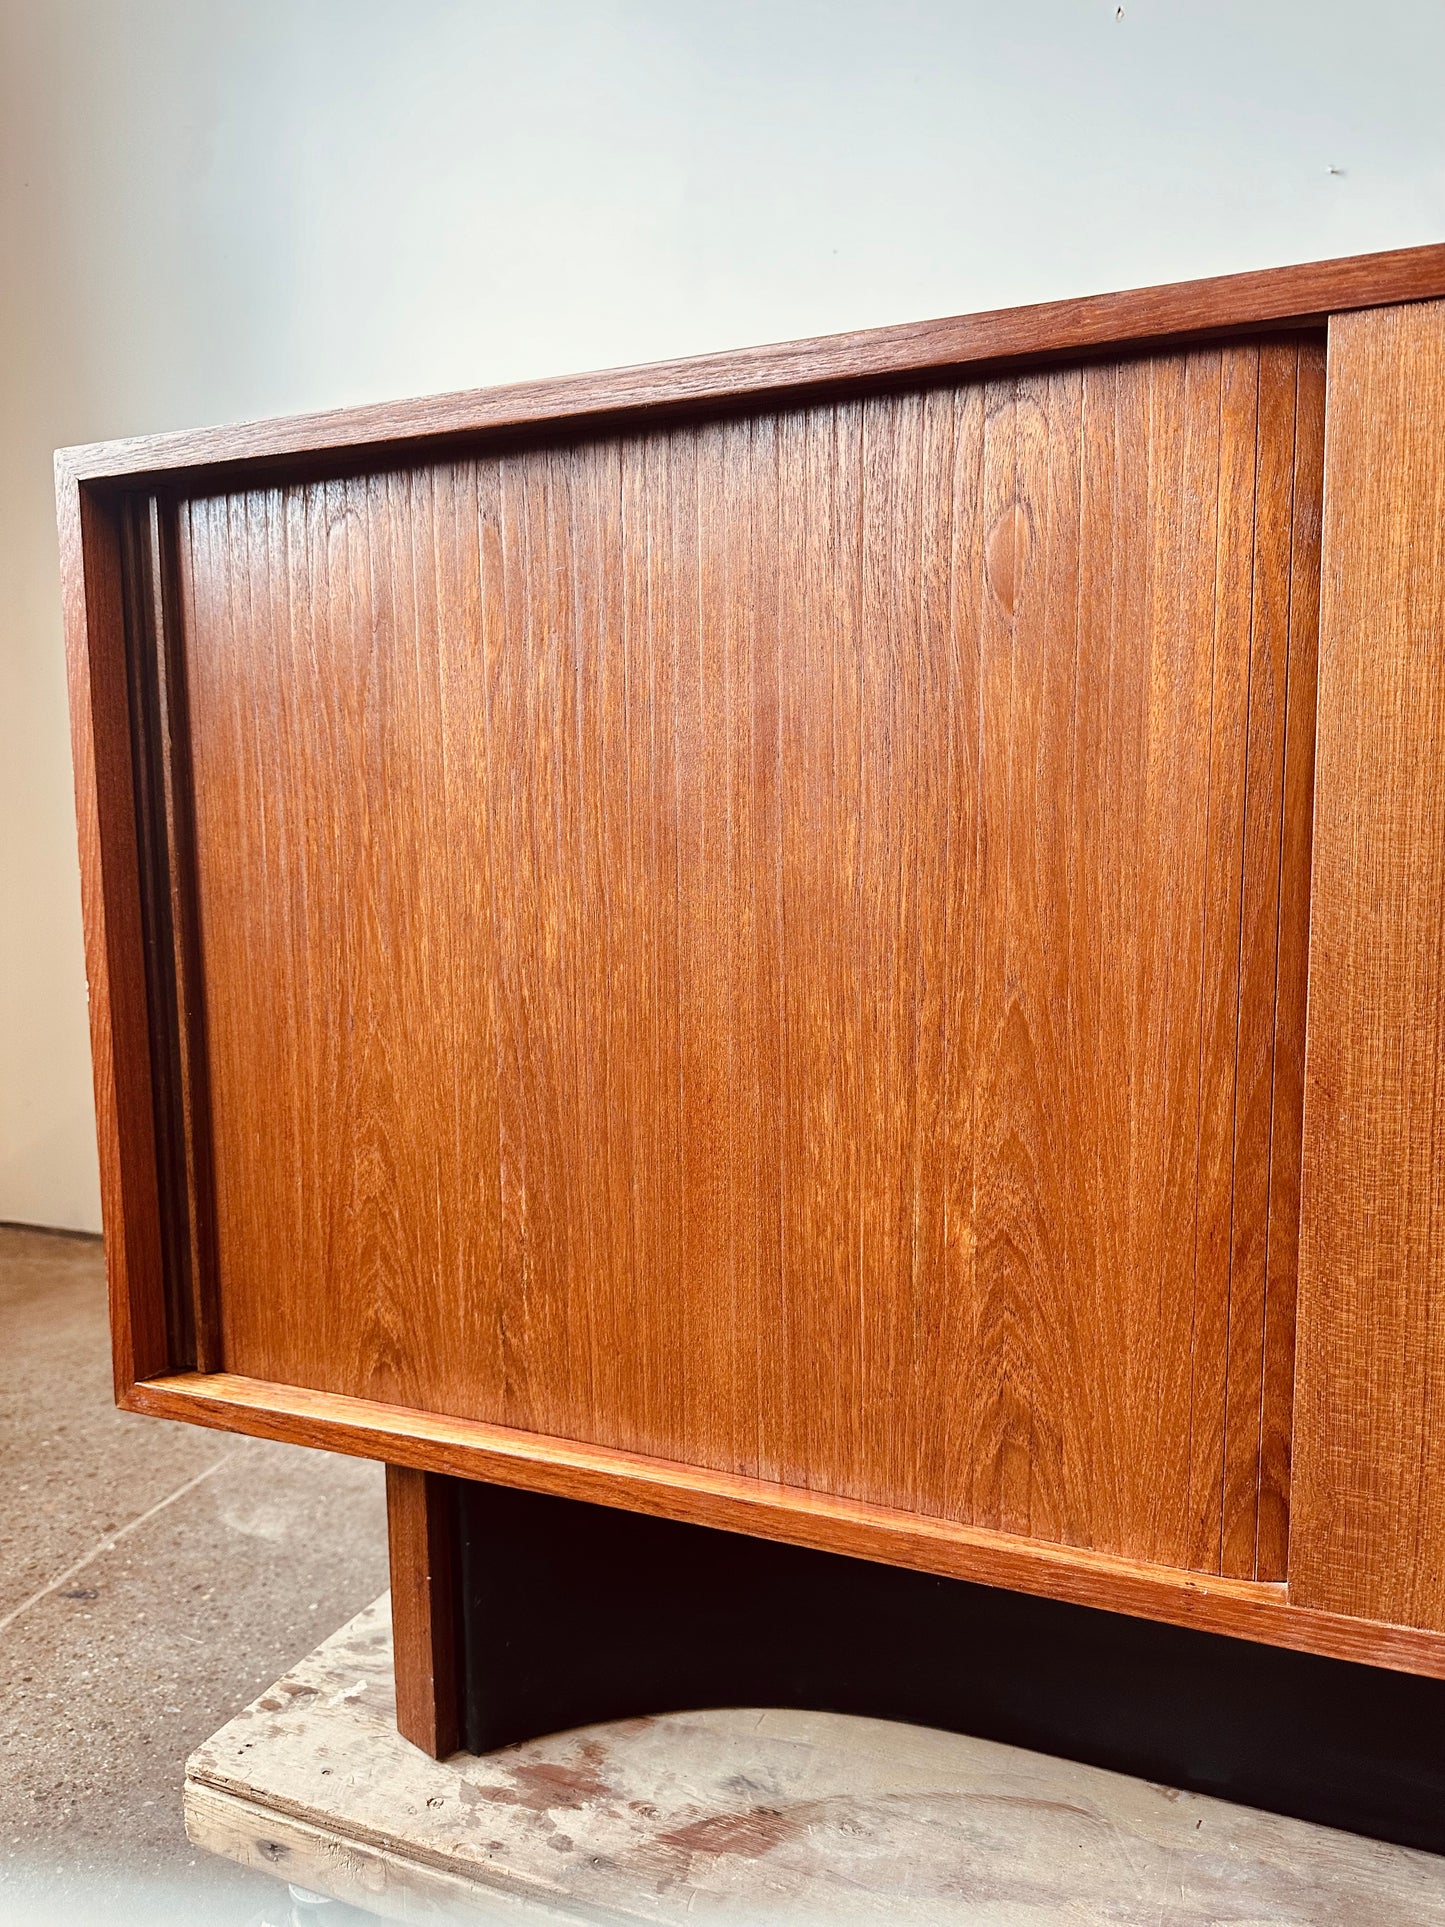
(472, 1449)
(356, 1868)
(1305, 294)
(101, 749)
(106, 597)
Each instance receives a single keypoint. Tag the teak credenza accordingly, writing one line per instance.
(842, 941)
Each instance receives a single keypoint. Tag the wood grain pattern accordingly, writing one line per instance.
(1369, 1464)
(753, 916)
(1292, 978)
(421, 1532)
(1184, 311)
(465, 1448)
(755, 943)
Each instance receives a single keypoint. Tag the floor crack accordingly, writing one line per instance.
(112, 1540)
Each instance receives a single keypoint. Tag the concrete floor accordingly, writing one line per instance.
(153, 1579)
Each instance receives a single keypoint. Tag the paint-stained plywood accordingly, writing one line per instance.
(748, 1818)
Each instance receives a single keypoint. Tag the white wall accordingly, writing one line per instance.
(229, 208)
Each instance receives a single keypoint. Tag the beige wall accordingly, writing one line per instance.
(243, 207)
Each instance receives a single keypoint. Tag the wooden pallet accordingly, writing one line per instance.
(743, 1818)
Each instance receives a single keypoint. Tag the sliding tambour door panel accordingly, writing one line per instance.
(763, 943)
(1370, 1448)
(1134, 671)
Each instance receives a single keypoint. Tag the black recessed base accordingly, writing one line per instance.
(574, 1614)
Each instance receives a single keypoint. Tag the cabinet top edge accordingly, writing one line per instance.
(1177, 313)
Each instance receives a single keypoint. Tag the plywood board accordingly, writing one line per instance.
(745, 1818)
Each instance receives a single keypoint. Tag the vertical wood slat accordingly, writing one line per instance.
(1367, 1533)
(132, 792)
(1292, 973)
(192, 1123)
(148, 660)
(785, 902)
(948, 1384)
(806, 1431)
(1231, 577)
(1004, 1202)
(1259, 947)
(422, 1528)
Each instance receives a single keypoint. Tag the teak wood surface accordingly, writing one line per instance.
(421, 1534)
(1371, 1416)
(733, 939)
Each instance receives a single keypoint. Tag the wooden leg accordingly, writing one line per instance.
(421, 1518)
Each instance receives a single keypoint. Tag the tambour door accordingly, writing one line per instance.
(776, 942)
(1371, 1411)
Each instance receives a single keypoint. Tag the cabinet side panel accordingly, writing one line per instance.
(1369, 1470)
(95, 638)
